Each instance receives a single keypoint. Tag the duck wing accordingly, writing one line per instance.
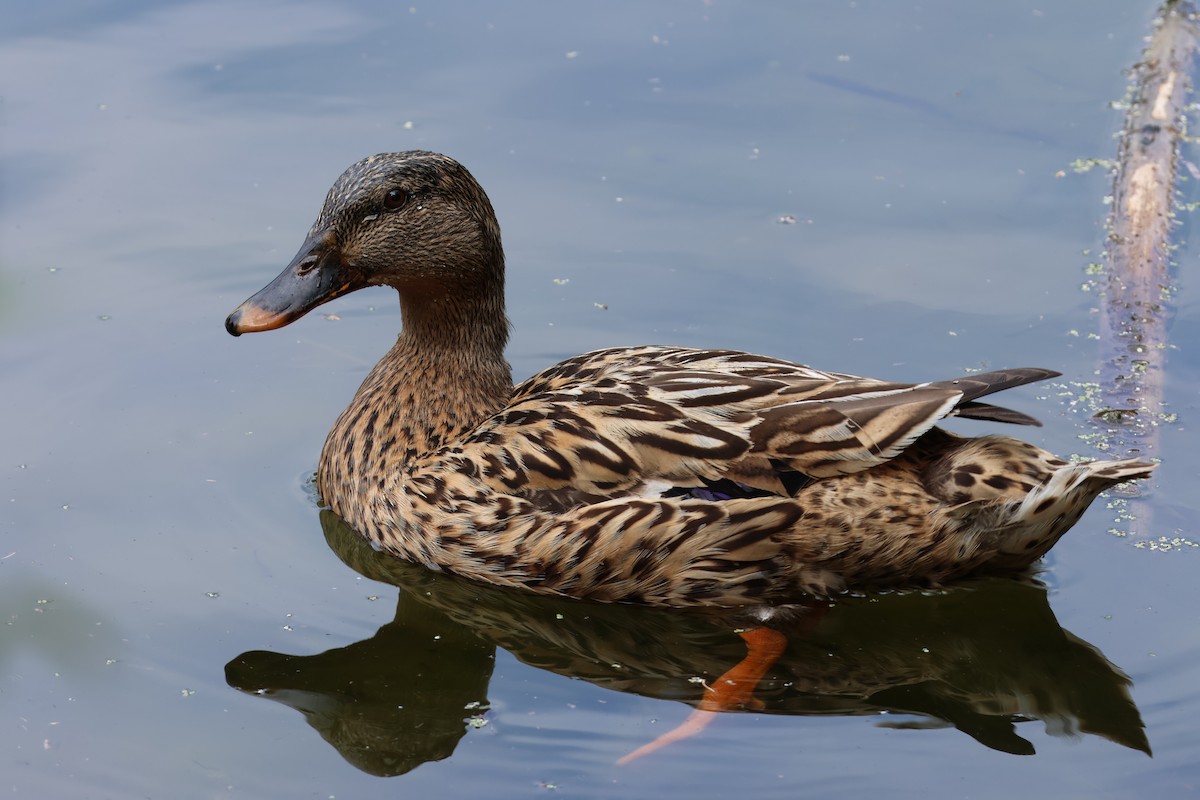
(637, 420)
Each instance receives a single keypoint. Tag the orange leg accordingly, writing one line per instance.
(733, 690)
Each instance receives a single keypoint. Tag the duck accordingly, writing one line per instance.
(657, 475)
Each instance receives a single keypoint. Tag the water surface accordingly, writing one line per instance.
(864, 186)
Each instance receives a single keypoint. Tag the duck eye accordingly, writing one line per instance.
(394, 199)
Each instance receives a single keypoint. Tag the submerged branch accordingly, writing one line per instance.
(1134, 314)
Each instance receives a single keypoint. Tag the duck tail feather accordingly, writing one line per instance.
(986, 411)
(979, 384)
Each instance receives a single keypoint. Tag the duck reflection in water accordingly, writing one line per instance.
(981, 658)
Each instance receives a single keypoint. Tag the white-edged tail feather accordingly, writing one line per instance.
(1037, 522)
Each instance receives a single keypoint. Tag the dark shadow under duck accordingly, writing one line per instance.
(987, 657)
(594, 478)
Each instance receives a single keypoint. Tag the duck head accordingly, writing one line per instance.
(416, 221)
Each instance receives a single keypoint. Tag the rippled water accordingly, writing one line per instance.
(867, 187)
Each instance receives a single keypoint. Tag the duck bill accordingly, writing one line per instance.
(316, 275)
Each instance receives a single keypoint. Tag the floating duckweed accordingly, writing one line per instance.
(1095, 439)
(1164, 544)
(1084, 165)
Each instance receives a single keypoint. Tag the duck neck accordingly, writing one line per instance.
(444, 375)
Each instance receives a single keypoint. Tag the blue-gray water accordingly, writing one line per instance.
(869, 187)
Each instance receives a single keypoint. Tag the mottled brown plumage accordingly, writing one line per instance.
(660, 475)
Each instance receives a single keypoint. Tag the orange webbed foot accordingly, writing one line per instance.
(732, 691)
